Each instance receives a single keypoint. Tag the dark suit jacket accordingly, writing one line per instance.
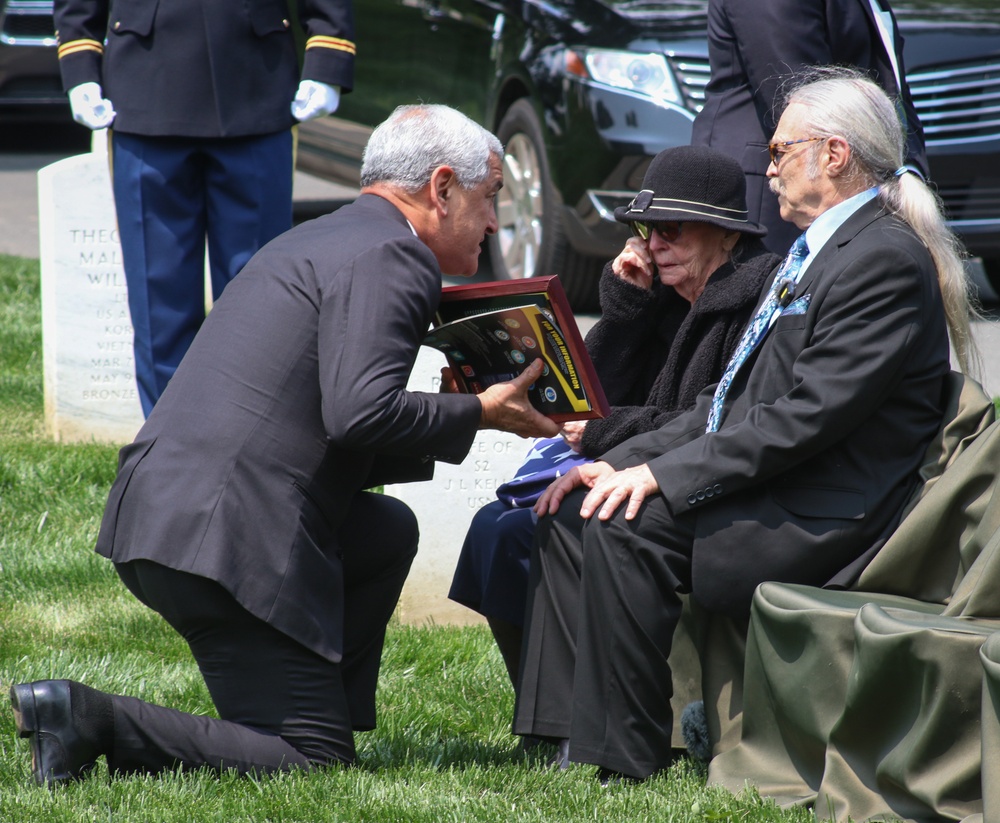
(290, 395)
(753, 46)
(202, 68)
(824, 431)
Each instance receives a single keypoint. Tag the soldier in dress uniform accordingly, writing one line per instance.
(201, 96)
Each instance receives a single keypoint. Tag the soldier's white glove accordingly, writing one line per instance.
(90, 107)
(314, 99)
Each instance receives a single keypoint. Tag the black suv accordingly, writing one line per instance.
(583, 92)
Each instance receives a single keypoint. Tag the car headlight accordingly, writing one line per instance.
(646, 74)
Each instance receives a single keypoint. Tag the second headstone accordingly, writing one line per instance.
(90, 391)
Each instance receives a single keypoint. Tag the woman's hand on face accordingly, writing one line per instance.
(635, 264)
(572, 433)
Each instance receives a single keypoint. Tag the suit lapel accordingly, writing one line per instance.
(863, 217)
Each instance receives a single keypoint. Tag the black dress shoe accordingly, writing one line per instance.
(560, 760)
(43, 714)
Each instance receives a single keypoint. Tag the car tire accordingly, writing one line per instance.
(530, 241)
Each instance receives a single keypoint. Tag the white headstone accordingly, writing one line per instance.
(444, 508)
(90, 390)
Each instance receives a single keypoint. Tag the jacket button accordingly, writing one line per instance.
(718, 488)
(692, 499)
(285, 23)
(709, 492)
(701, 494)
(118, 24)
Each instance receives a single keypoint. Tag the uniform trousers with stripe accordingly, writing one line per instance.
(602, 609)
(172, 196)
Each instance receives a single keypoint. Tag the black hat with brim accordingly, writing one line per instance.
(692, 184)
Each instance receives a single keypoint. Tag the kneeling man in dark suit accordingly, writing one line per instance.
(795, 467)
(239, 512)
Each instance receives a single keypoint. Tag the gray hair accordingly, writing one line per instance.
(844, 102)
(405, 149)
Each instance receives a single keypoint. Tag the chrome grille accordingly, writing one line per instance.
(973, 205)
(959, 103)
(27, 23)
(692, 74)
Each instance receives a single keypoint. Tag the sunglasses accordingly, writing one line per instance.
(779, 150)
(667, 231)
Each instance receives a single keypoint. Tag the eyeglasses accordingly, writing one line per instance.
(667, 231)
(779, 150)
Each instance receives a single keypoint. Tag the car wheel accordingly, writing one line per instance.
(530, 241)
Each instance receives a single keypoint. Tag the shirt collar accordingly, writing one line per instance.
(824, 226)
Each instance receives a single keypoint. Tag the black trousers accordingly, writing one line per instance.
(602, 609)
(280, 704)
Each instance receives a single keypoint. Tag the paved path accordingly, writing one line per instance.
(23, 153)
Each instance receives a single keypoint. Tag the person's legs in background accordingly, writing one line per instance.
(159, 202)
(170, 193)
(248, 199)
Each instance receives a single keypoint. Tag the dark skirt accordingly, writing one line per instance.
(492, 572)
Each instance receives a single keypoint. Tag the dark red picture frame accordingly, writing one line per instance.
(549, 295)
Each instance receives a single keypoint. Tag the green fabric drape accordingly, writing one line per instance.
(907, 742)
(858, 702)
(990, 657)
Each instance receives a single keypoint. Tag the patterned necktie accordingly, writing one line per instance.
(777, 298)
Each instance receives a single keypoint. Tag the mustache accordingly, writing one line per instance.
(774, 185)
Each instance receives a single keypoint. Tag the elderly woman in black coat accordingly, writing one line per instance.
(674, 303)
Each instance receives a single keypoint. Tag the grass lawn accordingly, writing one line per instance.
(442, 752)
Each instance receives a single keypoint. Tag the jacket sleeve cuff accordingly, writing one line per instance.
(622, 302)
(80, 62)
(329, 60)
